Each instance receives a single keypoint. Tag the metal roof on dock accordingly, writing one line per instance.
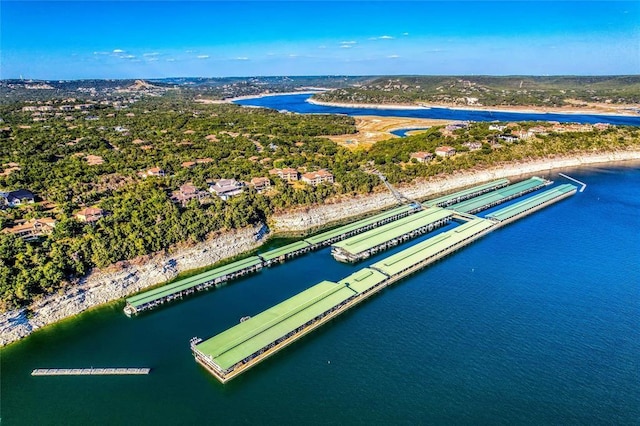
(363, 280)
(531, 202)
(382, 234)
(413, 255)
(319, 238)
(175, 287)
(284, 250)
(478, 202)
(237, 343)
(467, 192)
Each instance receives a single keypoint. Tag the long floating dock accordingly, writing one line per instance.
(243, 346)
(532, 204)
(465, 194)
(89, 371)
(153, 298)
(364, 245)
(499, 196)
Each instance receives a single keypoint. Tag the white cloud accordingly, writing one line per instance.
(405, 34)
(348, 42)
(100, 53)
(151, 54)
(128, 57)
(171, 59)
(293, 55)
(346, 46)
(384, 37)
(393, 56)
(118, 51)
(322, 47)
(241, 58)
(202, 56)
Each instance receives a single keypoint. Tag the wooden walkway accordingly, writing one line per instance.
(89, 371)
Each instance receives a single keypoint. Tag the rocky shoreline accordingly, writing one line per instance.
(104, 286)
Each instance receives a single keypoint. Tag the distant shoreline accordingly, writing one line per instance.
(420, 106)
(514, 109)
(262, 95)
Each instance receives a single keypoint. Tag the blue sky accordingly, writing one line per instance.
(151, 39)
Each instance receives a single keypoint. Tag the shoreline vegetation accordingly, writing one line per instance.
(107, 286)
(618, 110)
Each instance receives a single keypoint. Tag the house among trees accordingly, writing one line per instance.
(422, 157)
(445, 151)
(90, 214)
(287, 174)
(261, 184)
(226, 188)
(508, 138)
(154, 171)
(316, 178)
(473, 146)
(32, 229)
(18, 197)
(457, 126)
(188, 192)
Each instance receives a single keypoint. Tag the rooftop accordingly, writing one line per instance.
(382, 234)
(239, 342)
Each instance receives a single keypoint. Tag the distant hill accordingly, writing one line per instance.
(554, 91)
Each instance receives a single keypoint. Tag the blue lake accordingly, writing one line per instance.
(299, 104)
(536, 323)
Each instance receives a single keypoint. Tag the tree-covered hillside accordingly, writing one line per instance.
(555, 91)
(75, 154)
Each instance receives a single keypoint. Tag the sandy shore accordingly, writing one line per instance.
(262, 95)
(103, 287)
(621, 110)
(372, 129)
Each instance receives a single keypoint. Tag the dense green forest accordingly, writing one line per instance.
(555, 91)
(51, 149)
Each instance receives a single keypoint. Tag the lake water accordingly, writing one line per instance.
(299, 104)
(538, 322)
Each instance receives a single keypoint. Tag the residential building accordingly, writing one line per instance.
(287, 174)
(316, 178)
(32, 229)
(445, 151)
(508, 138)
(19, 197)
(90, 214)
(473, 146)
(261, 183)
(457, 126)
(154, 171)
(226, 188)
(188, 192)
(422, 157)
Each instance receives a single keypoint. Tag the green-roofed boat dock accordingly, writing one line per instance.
(283, 253)
(362, 246)
(531, 204)
(499, 196)
(246, 344)
(155, 297)
(325, 238)
(465, 194)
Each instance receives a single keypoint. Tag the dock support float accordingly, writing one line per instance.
(89, 371)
